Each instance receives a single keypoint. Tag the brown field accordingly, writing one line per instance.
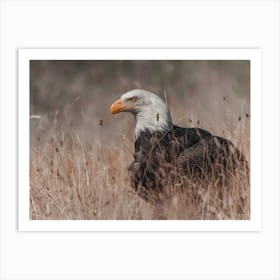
(79, 154)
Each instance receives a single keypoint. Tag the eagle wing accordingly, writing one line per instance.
(211, 155)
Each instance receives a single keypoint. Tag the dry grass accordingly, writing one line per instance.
(75, 179)
(71, 180)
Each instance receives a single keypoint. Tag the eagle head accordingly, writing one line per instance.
(150, 111)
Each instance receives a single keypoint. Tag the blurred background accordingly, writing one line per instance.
(75, 96)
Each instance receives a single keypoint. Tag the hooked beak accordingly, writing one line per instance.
(118, 106)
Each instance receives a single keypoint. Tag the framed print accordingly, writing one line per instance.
(139, 139)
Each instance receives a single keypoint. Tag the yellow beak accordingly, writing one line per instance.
(118, 106)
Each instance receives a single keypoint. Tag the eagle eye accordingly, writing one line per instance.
(132, 99)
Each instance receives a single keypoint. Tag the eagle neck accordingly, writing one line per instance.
(152, 122)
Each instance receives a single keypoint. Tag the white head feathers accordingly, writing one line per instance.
(150, 111)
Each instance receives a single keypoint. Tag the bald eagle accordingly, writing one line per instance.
(166, 154)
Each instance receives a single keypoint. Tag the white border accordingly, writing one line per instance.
(254, 55)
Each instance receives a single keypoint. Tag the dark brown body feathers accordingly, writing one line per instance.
(165, 159)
